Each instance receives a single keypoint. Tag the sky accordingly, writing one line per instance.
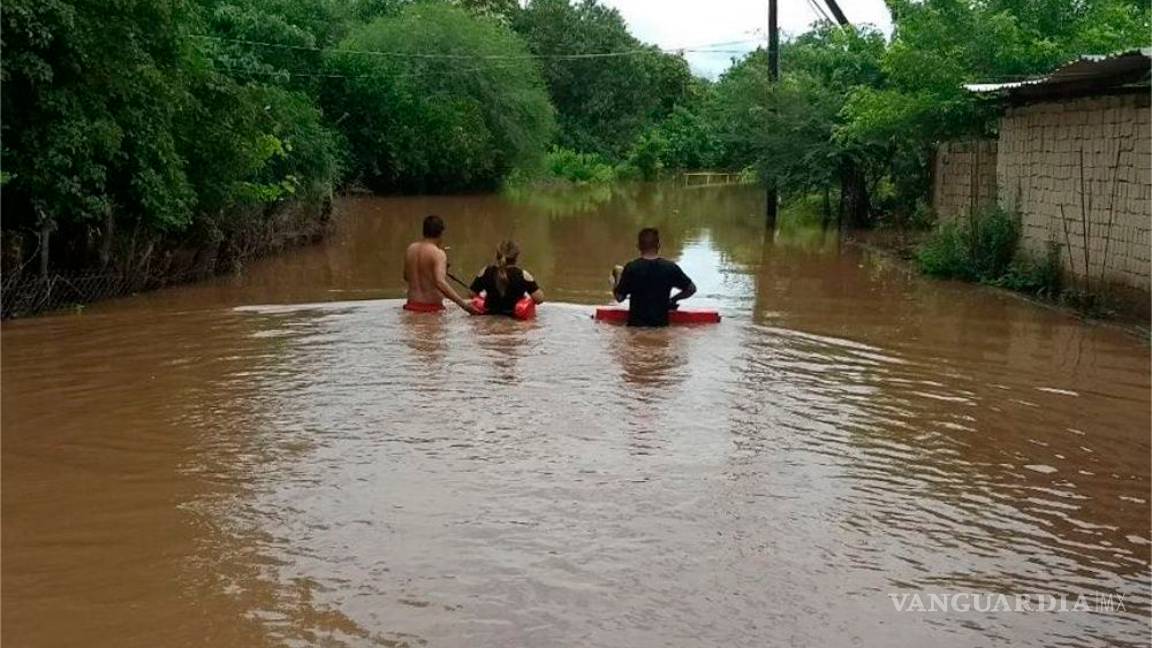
(687, 23)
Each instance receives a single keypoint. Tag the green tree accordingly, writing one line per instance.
(854, 111)
(459, 120)
(690, 141)
(90, 95)
(121, 117)
(786, 130)
(939, 45)
(603, 103)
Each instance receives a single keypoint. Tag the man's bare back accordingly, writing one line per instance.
(426, 271)
(420, 267)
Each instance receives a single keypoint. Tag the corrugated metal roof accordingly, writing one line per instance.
(1089, 71)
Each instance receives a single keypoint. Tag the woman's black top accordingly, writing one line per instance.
(519, 284)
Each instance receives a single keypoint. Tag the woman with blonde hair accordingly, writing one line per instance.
(506, 288)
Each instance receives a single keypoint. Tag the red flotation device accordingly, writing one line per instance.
(680, 316)
(525, 309)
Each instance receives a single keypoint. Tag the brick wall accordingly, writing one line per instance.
(1035, 169)
(963, 177)
(1038, 173)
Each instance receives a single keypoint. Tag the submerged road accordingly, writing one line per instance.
(287, 458)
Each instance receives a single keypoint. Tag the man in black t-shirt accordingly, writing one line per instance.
(648, 281)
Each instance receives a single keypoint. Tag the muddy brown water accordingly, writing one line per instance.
(284, 457)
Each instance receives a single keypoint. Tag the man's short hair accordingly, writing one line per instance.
(648, 239)
(433, 226)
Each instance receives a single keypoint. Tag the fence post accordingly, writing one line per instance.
(46, 227)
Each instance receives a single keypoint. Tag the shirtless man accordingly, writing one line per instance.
(426, 272)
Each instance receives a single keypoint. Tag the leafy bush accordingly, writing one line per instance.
(984, 248)
(980, 248)
(1044, 277)
(923, 216)
(582, 168)
(946, 252)
(993, 237)
(646, 155)
(690, 142)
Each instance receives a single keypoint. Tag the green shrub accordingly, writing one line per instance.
(627, 171)
(980, 248)
(1043, 277)
(806, 210)
(923, 217)
(945, 253)
(647, 153)
(993, 237)
(581, 168)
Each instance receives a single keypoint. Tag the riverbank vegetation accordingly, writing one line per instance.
(167, 135)
(985, 248)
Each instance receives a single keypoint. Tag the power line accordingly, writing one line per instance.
(322, 75)
(815, 4)
(416, 55)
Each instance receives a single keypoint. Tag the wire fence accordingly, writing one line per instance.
(25, 290)
(25, 294)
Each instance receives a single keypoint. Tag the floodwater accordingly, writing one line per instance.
(286, 458)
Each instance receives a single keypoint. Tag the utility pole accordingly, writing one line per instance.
(773, 42)
(771, 198)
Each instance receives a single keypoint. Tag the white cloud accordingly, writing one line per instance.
(678, 23)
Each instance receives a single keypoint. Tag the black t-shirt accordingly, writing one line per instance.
(520, 283)
(649, 283)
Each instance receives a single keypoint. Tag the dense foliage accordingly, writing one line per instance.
(459, 121)
(602, 103)
(140, 122)
(117, 120)
(860, 114)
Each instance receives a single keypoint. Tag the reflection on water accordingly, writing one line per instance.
(288, 458)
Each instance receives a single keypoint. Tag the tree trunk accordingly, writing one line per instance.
(827, 215)
(855, 210)
(106, 240)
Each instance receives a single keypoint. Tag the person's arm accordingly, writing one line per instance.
(477, 286)
(445, 288)
(623, 286)
(685, 289)
(684, 293)
(533, 288)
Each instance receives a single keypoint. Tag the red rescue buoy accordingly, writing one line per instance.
(525, 309)
(680, 316)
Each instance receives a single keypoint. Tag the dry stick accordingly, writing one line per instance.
(1085, 228)
(1111, 212)
(973, 178)
(1068, 242)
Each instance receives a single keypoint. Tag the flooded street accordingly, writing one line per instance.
(286, 458)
